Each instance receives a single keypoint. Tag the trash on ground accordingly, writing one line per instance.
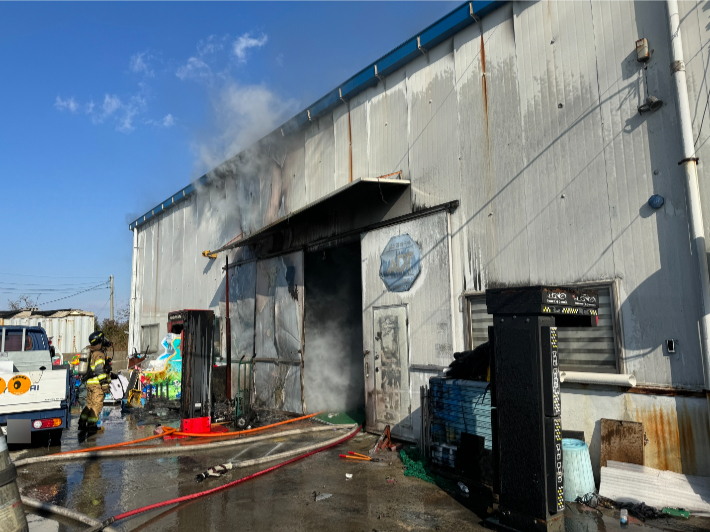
(624, 517)
(216, 471)
(385, 442)
(321, 496)
(631, 483)
(391, 480)
(641, 511)
(463, 487)
(676, 512)
(348, 476)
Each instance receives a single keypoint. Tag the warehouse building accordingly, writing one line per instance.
(508, 144)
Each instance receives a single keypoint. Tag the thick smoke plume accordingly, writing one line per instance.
(333, 361)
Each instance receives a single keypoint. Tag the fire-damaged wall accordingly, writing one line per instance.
(529, 120)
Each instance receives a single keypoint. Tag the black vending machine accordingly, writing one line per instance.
(196, 328)
(525, 394)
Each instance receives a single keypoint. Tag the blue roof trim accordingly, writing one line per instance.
(438, 32)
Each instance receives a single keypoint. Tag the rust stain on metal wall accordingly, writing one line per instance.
(663, 445)
(694, 431)
(687, 445)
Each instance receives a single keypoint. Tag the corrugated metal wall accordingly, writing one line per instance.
(530, 120)
(70, 333)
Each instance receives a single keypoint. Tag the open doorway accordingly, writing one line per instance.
(333, 362)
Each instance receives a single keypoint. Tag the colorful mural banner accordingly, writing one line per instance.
(166, 369)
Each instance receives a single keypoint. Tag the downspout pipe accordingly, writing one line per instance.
(132, 344)
(690, 172)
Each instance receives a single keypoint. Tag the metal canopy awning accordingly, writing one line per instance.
(381, 196)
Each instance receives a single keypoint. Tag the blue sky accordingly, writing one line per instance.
(109, 108)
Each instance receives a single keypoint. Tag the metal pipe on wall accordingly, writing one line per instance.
(228, 335)
(689, 165)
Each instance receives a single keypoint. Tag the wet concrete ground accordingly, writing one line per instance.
(378, 497)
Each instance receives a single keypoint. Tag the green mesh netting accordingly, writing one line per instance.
(415, 465)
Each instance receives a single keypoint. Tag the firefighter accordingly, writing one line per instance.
(97, 379)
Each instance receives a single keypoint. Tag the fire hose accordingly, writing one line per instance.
(103, 452)
(177, 449)
(310, 450)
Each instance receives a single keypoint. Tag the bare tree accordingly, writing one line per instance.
(21, 303)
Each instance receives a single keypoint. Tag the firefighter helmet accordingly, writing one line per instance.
(96, 338)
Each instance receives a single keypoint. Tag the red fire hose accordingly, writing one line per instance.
(197, 495)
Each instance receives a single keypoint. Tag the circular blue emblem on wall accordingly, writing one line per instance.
(400, 263)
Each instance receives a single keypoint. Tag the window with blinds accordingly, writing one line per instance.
(580, 348)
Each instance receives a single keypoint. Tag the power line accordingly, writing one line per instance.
(102, 308)
(51, 276)
(53, 284)
(97, 287)
(14, 289)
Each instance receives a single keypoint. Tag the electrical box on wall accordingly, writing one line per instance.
(642, 53)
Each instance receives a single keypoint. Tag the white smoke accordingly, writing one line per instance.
(242, 115)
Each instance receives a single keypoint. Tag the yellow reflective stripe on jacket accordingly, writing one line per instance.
(100, 361)
(96, 380)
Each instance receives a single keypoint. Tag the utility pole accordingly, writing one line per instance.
(112, 298)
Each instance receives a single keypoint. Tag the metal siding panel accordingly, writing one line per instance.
(651, 250)
(178, 216)
(149, 270)
(428, 301)
(341, 136)
(490, 234)
(387, 122)
(433, 137)
(191, 254)
(360, 134)
(320, 159)
(293, 173)
(279, 307)
(242, 300)
(164, 280)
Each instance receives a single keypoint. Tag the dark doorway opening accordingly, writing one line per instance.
(334, 378)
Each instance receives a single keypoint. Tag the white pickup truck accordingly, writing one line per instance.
(35, 395)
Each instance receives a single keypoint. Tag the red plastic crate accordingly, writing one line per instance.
(196, 425)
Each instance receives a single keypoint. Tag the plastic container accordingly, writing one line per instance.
(624, 517)
(577, 465)
(196, 425)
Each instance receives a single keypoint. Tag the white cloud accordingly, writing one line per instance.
(139, 63)
(110, 105)
(244, 113)
(195, 69)
(245, 42)
(68, 104)
(280, 60)
(168, 120)
(211, 45)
